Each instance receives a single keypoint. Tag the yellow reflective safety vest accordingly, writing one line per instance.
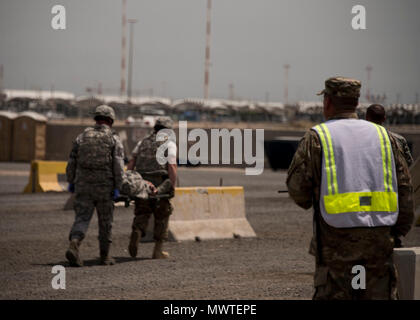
(359, 181)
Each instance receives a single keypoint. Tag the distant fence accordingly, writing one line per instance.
(59, 139)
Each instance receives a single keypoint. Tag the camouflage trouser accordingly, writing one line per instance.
(336, 283)
(84, 207)
(161, 209)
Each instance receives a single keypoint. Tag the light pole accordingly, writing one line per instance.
(207, 56)
(130, 58)
(1, 78)
(123, 46)
(231, 91)
(286, 83)
(369, 71)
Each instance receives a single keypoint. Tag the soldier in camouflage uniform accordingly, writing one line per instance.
(376, 113)
(95, 172)
(337, 250)
(163, 176)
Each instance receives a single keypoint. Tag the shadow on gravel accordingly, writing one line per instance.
(129, 259)
(90, 262)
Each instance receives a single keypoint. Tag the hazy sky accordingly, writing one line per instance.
(251, 41)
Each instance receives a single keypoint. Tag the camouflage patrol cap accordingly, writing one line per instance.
(165, 122)
(104, 111)
(342, 87)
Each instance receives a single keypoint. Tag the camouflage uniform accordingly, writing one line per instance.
(404, 146)
(337, 250)
(149, 168)
(96, 168)
(152, 171)
(134, 186)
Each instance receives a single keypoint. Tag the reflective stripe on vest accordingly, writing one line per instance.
(359, 183)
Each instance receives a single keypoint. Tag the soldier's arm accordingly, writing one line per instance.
(72, 163)
(407, 153)
(132, 163)
(172, 166)
(172, 172)
(405, 192)
(303, 174)
(118, 163)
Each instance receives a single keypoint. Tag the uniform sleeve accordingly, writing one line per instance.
(407, 154)
(135, 151)
(405, 192)
(118, 163)
(303, 176)
(72, 163)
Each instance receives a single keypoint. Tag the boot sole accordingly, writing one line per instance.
(73, 259)
(107, 263)
(161, 256)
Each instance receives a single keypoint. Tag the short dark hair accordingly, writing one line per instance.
(344, 103)
(102, 118)
(376, 113)
(158, 127)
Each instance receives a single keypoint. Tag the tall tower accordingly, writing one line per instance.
(231, 91)
(130, 58)
(1, 78)
(123, 46)
(368, 70)
(286, 83)
(207, 58)
(99, 88)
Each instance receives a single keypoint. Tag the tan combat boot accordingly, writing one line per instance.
(72, 253)
(158, 253)
(134, 243)
(106, 259)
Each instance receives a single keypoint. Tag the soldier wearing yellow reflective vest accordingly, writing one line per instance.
(355, 176)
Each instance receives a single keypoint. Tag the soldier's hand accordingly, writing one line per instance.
(151, 188)
(70, 188)
(397, 242)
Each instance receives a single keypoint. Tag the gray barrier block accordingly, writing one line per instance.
(407, 261)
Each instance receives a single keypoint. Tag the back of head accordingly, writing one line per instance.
(343, 92)
(376, 113)
(104, 113)
(163, 123)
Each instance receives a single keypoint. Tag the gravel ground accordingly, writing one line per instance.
(274, 265)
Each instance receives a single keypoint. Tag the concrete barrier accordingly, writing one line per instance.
(202, 213)
(209, 213)
(44, 176)
(407, 261)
